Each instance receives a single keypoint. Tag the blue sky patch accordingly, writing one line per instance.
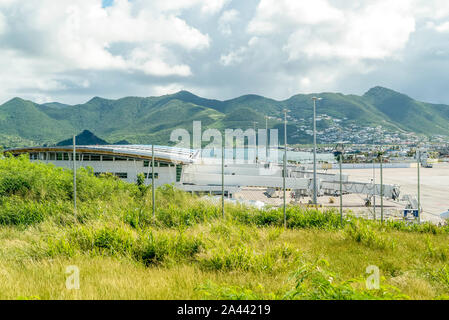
(107, 3)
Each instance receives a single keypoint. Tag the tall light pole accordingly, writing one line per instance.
(314, 151)
(222, 174)
(74, 173)
(381, 160)
(340, 149)
(285, 166)
(153, 195)
(418, 159)
(374, 188)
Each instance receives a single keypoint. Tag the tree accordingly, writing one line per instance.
(141, 183)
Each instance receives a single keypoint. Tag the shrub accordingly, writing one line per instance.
(60, 247)
(138, 217)
(437, 253)
(240, 258)
(364, 234)
(153, 249)
(440, 275)
(103, 241)
(192, 213)
(14, 211)
(314, 282)
(297, 218)
(14, 184)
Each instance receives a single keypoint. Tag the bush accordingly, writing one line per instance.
(240, 258)
(297, 217)
(138, 217)
(314, 282)
(438, 253)
(154, 250)
(441, 276)
(14, 184)
(18, 212)
(364, 234)
(186, 215)
(60, 247)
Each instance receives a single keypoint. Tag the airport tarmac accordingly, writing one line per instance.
(434, 192)
(434, 185)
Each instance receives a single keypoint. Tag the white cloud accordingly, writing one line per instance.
(277, 15)
(66, 36)
(213, 6)
(167, 89)
(2, 23)
(233, 57)
(220, 48)
(237, 56)
(227, 18)
(312, 46)
(442, 27)
(206, 6)
(374, 30)
(430, 9)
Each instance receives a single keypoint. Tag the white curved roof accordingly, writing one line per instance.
(171, 154)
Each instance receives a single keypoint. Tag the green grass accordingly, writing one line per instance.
(188, 251)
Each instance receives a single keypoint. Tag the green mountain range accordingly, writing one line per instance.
(151, 120)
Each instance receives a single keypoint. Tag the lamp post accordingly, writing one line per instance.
(284, 175)
(374, 189)
(314, 151)
(340, 149)
(381, 186)
(153, 196)
(222, 173)
(418, 159)
(74, 173)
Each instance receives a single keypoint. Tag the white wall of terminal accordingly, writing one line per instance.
(166, 175)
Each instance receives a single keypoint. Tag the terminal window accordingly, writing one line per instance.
(150, 175)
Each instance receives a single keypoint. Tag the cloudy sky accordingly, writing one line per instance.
(70, 51)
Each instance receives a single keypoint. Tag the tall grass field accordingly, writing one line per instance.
(190, 251)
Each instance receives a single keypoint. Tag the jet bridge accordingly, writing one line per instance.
(297, 179)
(389, 191)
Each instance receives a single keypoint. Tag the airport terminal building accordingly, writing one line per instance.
(190, 170)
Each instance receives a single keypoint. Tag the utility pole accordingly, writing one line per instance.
(374, 189)
(418, 159)
(152, 181)
(285, 167)
(222, 176)
(340, 148)
(341, 188)
(74, 174)
(381, 188)
(315, 196)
